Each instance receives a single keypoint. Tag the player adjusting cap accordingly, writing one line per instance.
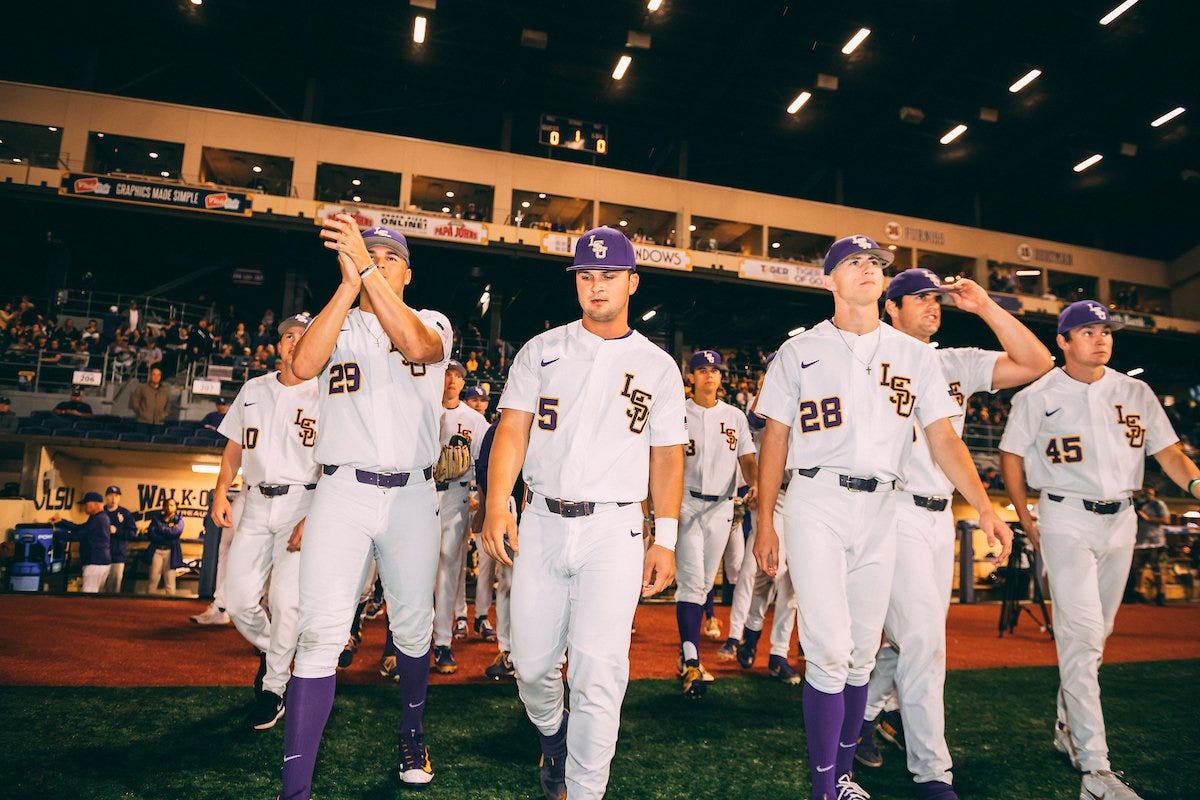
(604, 248)
(476, 391)
(914, 281)
(113, 490)
(92, 497)
(704, 358)
(1085, 312)
(301, 320)
(456, 366)
(383, 236)
(853, 245)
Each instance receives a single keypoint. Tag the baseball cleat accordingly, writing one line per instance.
(262, 673)
(693, 683)
(867, 753)
(1104, 784)
(1064, 744)
(728, 651)
(347, 656)
(847, 789)
(460, 628)
(211, 616)
(712, 628)
(268, 708)
(501, 669)
(552, 772)
(747, 649)
(443, 661)
(484, 629)
(935, 790)
(779, 668)
(387, 668)
(415, 770)
(891, 728)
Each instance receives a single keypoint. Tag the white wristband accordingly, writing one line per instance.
(367, 271)
(666, 532)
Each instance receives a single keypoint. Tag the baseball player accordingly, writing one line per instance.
(718, 445)
(501, 667)
(122, 530)
(920, 599)
(381, 369)
(595, 413)
(1081, 435)
(477, 398)
(271, 431)
(840, 401)
(458, 420)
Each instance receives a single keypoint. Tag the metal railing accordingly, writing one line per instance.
(153, 312)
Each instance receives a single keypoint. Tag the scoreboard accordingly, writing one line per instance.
(573, 134)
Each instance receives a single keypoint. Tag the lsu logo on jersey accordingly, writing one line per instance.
(956, 392)
(308, 428)
(901, 396)
(464, 432)
(730, 436)
(1135, 433)
(639, 408)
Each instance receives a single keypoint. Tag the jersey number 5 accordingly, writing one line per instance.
(547, 413)
(1067, 450)
(344, 377)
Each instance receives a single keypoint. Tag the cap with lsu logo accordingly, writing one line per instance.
(914, 281)
(604, 248)
(1086, 312)
(704, 358)
(475, 391)
(842, 249)
(383, 236)
(456, 366)
(301, 320)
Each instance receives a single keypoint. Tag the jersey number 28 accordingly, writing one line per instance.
(815, 415)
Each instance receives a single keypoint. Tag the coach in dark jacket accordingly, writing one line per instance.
(93, 539)
(122, 530)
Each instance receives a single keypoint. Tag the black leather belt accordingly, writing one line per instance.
(278, 489)
(384, 480)
(1094, 506)
(442, 486)
(712, 498)
(932, 503)
(853, 484)
(566, 508)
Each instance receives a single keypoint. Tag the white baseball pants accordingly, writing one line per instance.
(94, 576)
(237, 504)
(451, 561)
(703, 534)
(755, 590)
(575, 587)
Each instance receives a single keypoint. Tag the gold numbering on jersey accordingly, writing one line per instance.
(417, 370)
(901, 397)
(1067, 449)
(814, 415)
(308, 428)
(1136, 434)
(639, 410)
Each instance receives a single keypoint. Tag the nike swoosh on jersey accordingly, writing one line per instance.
(289, 758)
(1052, 413)
(809, 364)
(251, 404)
(551, 361)
(635, 534)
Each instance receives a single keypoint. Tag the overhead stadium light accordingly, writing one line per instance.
(1025, 80)
(1133, 373)
(419, 25)
(1087, 162)
(953, 133)
(622, 65)
(649, 315)
(1028, 273)
(855, 41)
(1118, 11)
(654, 5)
(799, 102)
(797, 331)
(1167, 117)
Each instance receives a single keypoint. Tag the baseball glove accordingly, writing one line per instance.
(454, 460)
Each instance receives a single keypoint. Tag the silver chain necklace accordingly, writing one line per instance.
(866, 363)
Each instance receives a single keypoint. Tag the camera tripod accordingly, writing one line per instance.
(1016, 576)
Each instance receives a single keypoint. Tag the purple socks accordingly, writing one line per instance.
(855, 698)
(554, 747)
(414, 682)
(308, 703)
(688, 616)
(823, 718)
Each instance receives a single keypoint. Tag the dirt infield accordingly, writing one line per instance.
(101, 641)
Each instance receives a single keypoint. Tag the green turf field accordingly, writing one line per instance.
(742, 741)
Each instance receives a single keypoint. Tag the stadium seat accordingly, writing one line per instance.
(133, 437)
(166, 438)
(108, 436)
(199, 441)
(40, 415)
(26, 429)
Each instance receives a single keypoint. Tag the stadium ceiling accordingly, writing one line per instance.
(708, 98)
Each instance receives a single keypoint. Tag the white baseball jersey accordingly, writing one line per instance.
(847, 419)
(1087, 439)
(469, 423)
(718, 437)
(599, 405)
(968, 370)
(380, 412)
(276, 426)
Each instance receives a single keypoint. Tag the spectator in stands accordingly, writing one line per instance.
(261, 338)
(48, 352)
(473, 213)
(122, 355)
(150, 403)
(268, 320)
(134, 317)
(992, 479)
(111, 322)
(224, 356)
(93, 539)
(67, 334)
(1151, 547)
(240, 338)
(270, 357)
(200, 342)
(164, 555)
(472, 362)
(80, 358)
(8, 420)
(151, 354)
(6, 316)
(75, 407)
(213, 419)
(91, 337)
(121, 531)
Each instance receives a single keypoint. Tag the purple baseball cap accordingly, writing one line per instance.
(604, 248)
(852, 245)
(475, 391)
(704, 358)
(1085, 312)
(113, 490)
(301, 320)
(914, 281)
(456, 366)
(383, 236)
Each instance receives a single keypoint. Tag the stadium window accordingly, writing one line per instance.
(946, 265)
(551, 212)
(1070, 286)
(129, 155)
(648, 225)
(728, 236)
(1139, 298)
(340, 183)
(30, 145)
(256, 171)
(1014, 278)
(452, 198)
(784, 244)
